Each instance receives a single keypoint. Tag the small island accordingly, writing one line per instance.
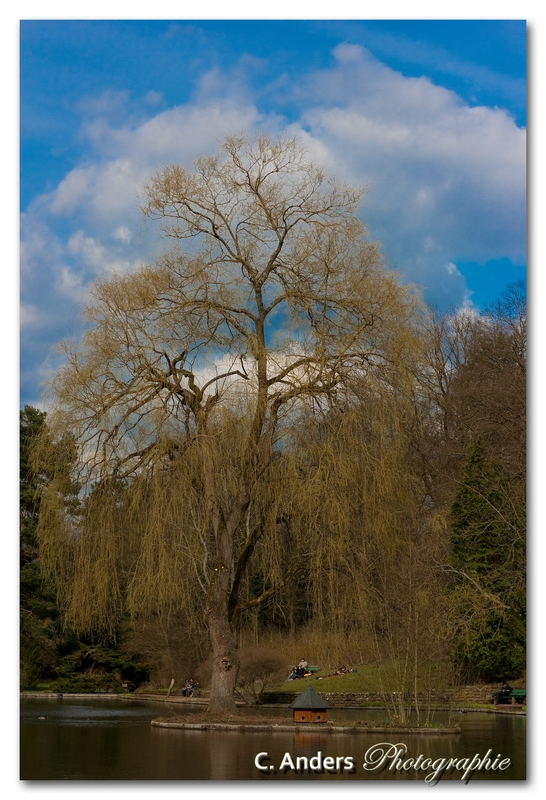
(244, 723)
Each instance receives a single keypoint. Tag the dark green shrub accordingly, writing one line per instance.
(96, 668)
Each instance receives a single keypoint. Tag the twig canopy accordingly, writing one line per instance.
(269, 300)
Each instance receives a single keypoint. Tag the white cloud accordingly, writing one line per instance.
(72, 191)
(348, 53)
(70, 283)
(427, 55)
(447, 181)
(29, 314)
(122, 234)
(96, 259)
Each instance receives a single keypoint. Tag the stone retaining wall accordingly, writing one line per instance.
(480, 693)
(463, 696)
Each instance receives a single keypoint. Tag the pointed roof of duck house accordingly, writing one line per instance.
(309, 700)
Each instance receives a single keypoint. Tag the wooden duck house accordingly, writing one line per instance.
(309, 707)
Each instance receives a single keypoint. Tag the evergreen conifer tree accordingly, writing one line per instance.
(488, 559)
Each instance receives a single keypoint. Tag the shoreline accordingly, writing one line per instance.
(203, 701)
(295, 728)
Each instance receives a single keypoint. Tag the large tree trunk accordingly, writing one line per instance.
(225, 659)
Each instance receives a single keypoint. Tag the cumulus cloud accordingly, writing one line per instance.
(447, 181)
(435, 56)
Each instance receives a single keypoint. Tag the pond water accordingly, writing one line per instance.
(112, 739)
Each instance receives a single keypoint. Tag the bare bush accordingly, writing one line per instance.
(260, 668)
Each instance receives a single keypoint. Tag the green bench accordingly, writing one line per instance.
(309, 669)
(513, 697)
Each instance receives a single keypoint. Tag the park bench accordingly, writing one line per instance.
(513, 697)
(309, 669)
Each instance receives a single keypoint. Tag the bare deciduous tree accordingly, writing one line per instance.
(268, 296)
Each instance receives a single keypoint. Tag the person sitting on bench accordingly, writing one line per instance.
(504, 691)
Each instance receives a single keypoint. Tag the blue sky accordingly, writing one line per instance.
(430, 114)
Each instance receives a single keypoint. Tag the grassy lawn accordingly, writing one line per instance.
(367, 678)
